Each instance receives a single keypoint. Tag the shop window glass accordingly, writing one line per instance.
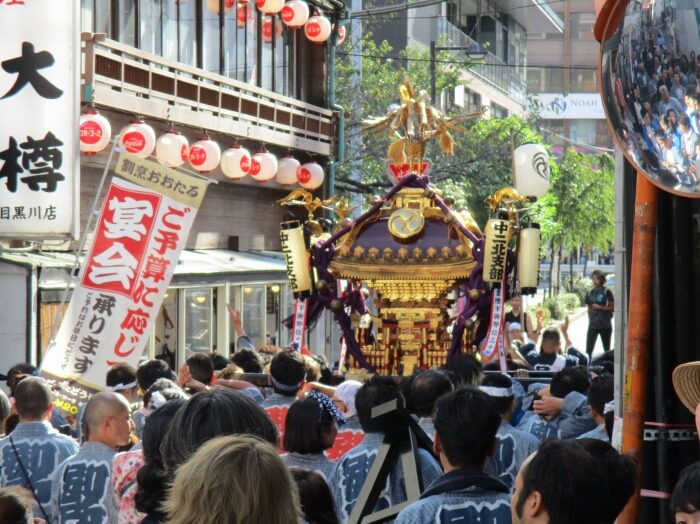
(151, 26)
(199, 320)
(187, 33)
(166, 327)
(254, 312)
(210, 40)
(127, 22)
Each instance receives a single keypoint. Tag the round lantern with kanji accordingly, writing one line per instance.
(172, 149)
(270, 7)
(138, 138)
(236, 162)
(295, 13)
(342, 35)
(267, 26)
(205, 154)
(287, 170)
(318, 29)
(310, 176)
(214, 5)
(95, 132)
(263, 166)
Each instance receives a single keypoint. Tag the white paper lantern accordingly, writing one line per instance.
(287, 170)
(267, 26)
(295, 13)
(310, 176)
(342, 35)
(270, 7)
(531, 169)
(95, 132)
(213, 5)
(205, 154)
(318, 29)
(172, 149)
(235, 162)
(138, 138)
(263, 166)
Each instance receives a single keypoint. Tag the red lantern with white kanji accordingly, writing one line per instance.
(172, 149)
(342, 34)
(236, 162)
(310, 176)
(244, 14)
(263, 166)
(214, 5)
(295, 13)
(95, 132)
(267, 28)
(287, 170)
(138, 138)
(270, 7)
(318, 29)
(205, 154)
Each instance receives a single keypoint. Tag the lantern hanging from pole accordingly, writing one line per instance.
(172, 149)
(296, 257)
(235, 162)
(270, 7)
(342, 35)
(497, 234)
(213, 5)
(205, 154)
(531, 170)
(263, 166)
(244, 14)
(295, 13)
(318, 29)
(529, 259)
(287, 170)
(310, 176)
(95, 132)
(267, 26)
(138, 138)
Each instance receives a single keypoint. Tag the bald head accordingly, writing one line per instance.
(32, 399)
(101, 406)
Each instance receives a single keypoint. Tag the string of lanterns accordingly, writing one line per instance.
(295, 14)
(172, 149)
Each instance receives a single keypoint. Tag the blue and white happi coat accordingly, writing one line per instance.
(41, 449)
(463, 496)
(312, 461)
(352, 470)
(83, 488)
(512, 448)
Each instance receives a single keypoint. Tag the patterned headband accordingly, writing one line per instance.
(326, 404)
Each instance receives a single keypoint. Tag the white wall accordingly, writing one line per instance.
(13, 321)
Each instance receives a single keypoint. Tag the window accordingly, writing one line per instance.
(583, 80)
(96, 16)
(263, 307)
(582, 26)
(199, 320)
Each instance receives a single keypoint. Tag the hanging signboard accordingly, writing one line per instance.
(39, 111)
(142, 229)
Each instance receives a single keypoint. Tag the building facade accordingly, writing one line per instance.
(199, 66)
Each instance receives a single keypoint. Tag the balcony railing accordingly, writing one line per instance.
(493, 71)
(126, 79)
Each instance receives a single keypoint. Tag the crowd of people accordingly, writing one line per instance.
(664, 102)
(203, 446)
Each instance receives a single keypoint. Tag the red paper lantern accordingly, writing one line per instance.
(267, 29)
(295, 13)
(270, 7)
(318, 29)
(244, 14)
(172, 149)
(95, 132)
(236, 162)
(214, 5)
(138, 138)
(310, 176)
(287, 168)
(263, 166)
(205, 154)
(342, 35)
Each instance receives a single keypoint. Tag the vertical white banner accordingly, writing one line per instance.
(39, 111)
(142, 229)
